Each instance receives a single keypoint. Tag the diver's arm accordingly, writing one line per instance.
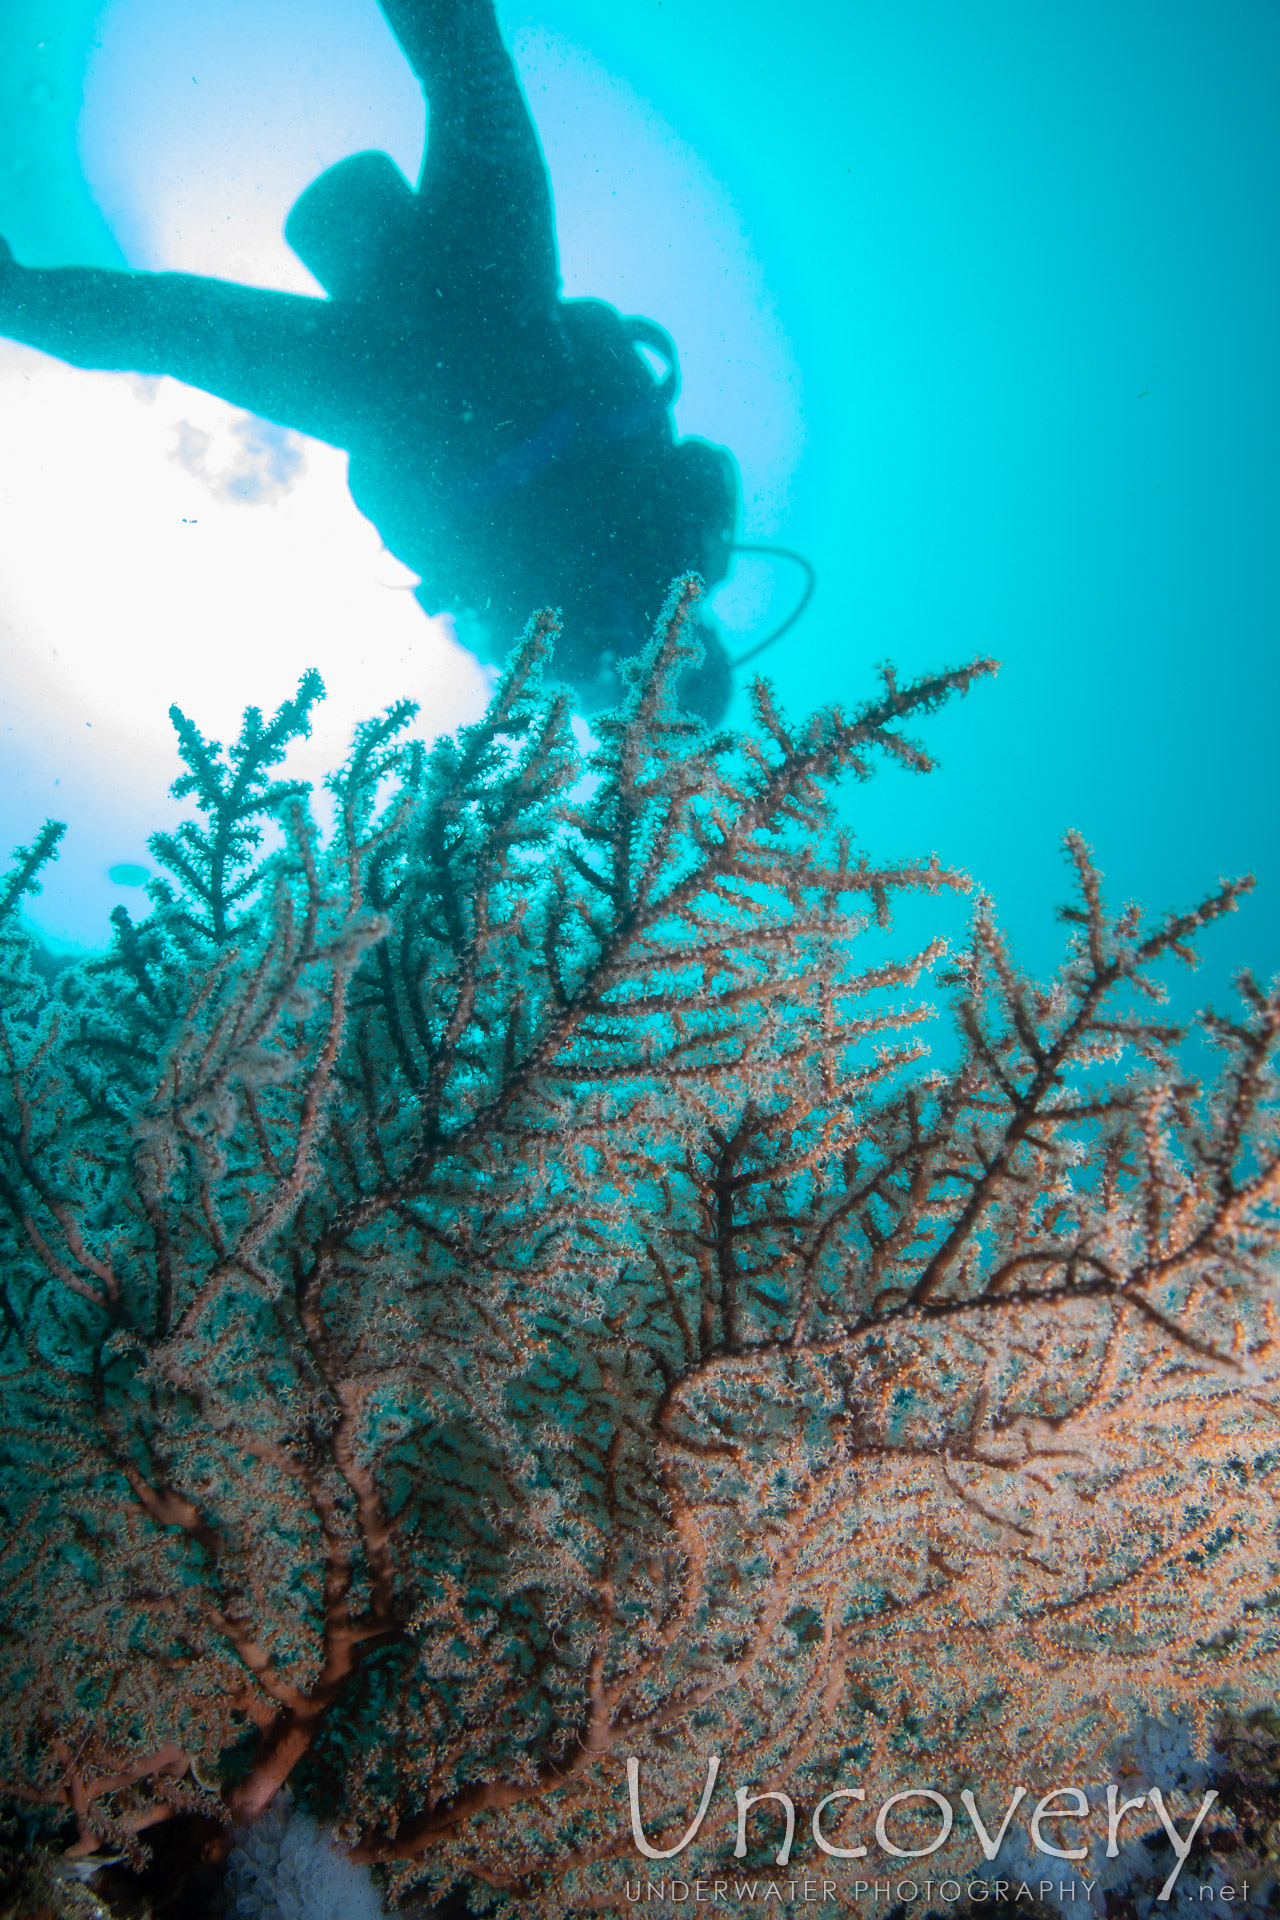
(425, 30)
(267, 352)
(484, 200)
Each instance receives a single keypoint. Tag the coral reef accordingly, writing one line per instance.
(504, 1293)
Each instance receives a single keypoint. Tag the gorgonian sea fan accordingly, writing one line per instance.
(503, 1292)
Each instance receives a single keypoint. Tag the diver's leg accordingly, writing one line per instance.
(271, 353)
(485, 200)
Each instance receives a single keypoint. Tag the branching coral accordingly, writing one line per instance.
(504, 1293)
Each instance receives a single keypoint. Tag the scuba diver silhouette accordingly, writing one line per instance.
(514, 448)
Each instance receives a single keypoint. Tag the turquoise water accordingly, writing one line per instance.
(980, 296)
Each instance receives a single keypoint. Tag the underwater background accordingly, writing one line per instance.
(980, 296)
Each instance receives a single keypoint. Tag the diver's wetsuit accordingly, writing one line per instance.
(513, 448)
